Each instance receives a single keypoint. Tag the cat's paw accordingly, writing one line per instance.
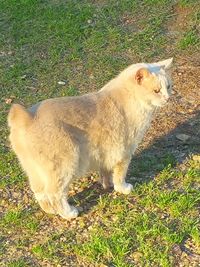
(70, 214)
(124, 188)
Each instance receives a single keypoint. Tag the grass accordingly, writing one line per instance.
(149, 227)
(17, 263)
(191, 38)
(85, 43)
(143, 227)
(17, 217)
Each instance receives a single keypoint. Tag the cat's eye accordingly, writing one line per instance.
(168, 86)
(156, 91)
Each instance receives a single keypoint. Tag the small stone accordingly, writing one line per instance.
(190, 110)
(114, 218)
(137, 256)
(176, 249)
(89, 21)
(8, 100)
(192, 123)
(23, 77)
(32, 88)
(196, 158)
(2, 53)
(182, 137)
(61, 82)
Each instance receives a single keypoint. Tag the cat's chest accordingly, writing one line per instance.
(138, 127)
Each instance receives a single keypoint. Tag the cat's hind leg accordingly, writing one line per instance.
(51, 193)
(119, 174)
(37, 184)
(57, 190)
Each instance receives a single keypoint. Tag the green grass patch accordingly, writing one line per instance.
(17, 263)
(147, 163)
(190, 38)
(186, 3)
(10, 171)
(20, 219)
(149, 226)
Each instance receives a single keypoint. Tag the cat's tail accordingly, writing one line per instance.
(19, 117)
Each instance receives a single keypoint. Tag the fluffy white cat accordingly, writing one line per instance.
(61, 139)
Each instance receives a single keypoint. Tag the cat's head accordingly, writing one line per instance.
(151, 82)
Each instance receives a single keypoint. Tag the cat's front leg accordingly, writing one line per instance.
(119, 174)
(106, 179)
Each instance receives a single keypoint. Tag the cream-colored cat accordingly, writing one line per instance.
(60, 139)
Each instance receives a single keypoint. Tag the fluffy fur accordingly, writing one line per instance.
(60, 139)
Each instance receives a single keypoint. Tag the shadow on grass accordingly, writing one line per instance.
(167, 150)
(149, 162)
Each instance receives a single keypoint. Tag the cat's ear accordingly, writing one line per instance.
(141, 74)
(166, 64)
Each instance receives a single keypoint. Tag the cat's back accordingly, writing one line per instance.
(73, 110)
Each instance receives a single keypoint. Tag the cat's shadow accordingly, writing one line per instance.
(147, 163)
(89, 197)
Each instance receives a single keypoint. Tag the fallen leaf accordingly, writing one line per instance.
(182, 137)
